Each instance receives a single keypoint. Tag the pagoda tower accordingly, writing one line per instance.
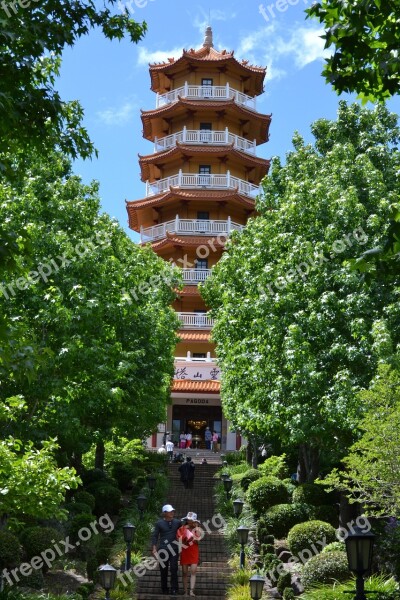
(201, 182)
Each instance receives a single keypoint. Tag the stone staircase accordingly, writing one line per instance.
(213, 571)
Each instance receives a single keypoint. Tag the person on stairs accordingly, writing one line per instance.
(162, 541)
(189, 535)
(187, 473)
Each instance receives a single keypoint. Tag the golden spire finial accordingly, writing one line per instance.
(208, 39)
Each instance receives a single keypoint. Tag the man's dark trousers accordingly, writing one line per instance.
(172, 562)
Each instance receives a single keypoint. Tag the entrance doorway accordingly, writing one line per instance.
(195, 418)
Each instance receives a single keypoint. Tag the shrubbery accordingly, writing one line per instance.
(279, 519)
(262, 533)
(123, 473)
(10, 550)
(249, 476)
(334, 547)
(305, 537)
(85, 498)
(78, 508)
(77, 523)
(274, 466)
(325, 568)
(284, 581)
(107, 498)
(38, 539)
(266, 492)
(311, 493)
(326, 512)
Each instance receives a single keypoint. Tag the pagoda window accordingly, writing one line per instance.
(206, 88)
(206, 132)
(201, 264)
(204, 175)
(203, 215)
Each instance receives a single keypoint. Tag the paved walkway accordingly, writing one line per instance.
(213, 570)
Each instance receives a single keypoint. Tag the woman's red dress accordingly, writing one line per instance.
(190, 549)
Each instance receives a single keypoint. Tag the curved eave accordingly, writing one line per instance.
(184, 385)
(184, 150)
(172, 240)
(189, 291)
(184, 104)
(205, 57)
(133, 207)
(194, 336)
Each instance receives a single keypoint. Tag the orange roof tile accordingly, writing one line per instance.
(189, 290)
(172, 239)
(183, 385)
(194, 336)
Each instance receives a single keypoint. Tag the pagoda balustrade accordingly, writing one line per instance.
(188, 227)
(195, 320)
(202, 181)
(206, 92)
(203, 136)
(190, 358)
(195, 276)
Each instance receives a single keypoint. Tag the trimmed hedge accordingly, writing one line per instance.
(284, 581)
(326, 512)
(248, 478)
(307, 537)
(262, 533)
(334, 547)
(124, 474)
(78, 508)
(266, 492)
(85, 498)
(38, 539)
(279, 519)
(77, 523)
(10, 550)
(325, 568)
(311, 493)
(107, 498)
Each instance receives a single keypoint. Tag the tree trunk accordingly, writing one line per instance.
(348, 512)
(76, 462)
(249, 453)
(308, 463)
(100, 455)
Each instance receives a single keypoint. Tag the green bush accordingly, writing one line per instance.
(388, 589)
(274, 466)
(248, 477)
(262, 533)
(85, 498)
(284, 581)
(334, 547)
(107, 498)
(279, 519)
(325, 568)
(78, 508)
(272, 566)
(326, 512)
(36, 540)
(103, 550)
(267, 549)
(10, 550)
(92, 565)
(85, 590)
(34, 581)
(305, 537)
(93, 476)
(77, 523)
(123, 473)
(236, 457)
(311, 493)
(290, 485)
(288, 594)
(266, 492)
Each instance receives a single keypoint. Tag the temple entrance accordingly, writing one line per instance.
(195, 419)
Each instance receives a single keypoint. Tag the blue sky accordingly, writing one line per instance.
(111, 80)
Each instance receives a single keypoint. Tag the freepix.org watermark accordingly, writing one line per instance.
(280, 6)
(127, 7)
(58, 549)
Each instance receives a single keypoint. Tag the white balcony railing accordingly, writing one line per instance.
(195, 276)
(202, 136)
(190, 358)
(195, 320)
(188, 227)
(202, 181)
(206, 92)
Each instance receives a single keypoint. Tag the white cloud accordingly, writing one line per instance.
(271, 46)
(118, 115)
(146, 56)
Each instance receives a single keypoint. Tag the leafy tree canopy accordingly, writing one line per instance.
(296, 329)
(366, 38)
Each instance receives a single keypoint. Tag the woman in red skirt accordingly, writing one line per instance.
(189, 534)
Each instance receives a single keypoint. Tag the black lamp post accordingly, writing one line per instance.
(227, 486)
(141, 504)
(107, 575)
(151, 482)
(243, 535)
(256, 587)
(222, 458)
(225, 464)
(129, 534)
(359, 547)
(237, 507)
(224, 476)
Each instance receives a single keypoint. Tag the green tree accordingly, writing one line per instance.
(371, 470)
(294, 325)
(33, 116)
(366, 39)
(98, 306)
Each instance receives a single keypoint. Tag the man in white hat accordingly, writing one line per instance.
(165, 550)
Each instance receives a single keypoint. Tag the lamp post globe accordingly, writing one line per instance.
(107, 576)
(141, 501)
(359, 548)
(151, 482)
(243, 536)
(256, 587)
(237, 507)
(228, 482)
